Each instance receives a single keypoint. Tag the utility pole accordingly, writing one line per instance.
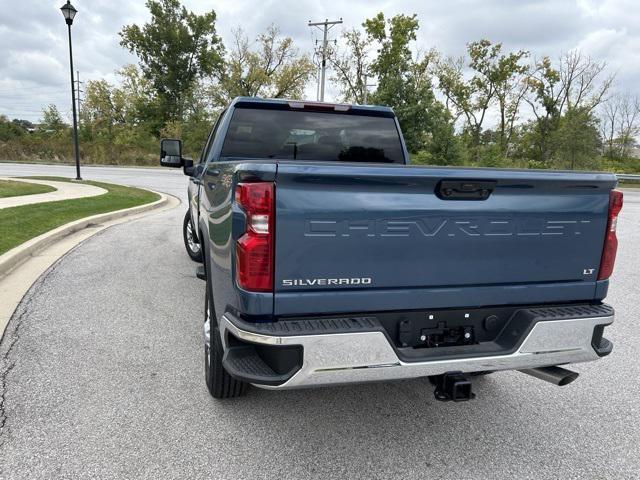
(79, 90)
(366, 89)
(325, 27)
(318, 83)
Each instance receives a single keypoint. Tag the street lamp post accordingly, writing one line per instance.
(69, 12)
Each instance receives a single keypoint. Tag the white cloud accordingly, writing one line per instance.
(34, 64)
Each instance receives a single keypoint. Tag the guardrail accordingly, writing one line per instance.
(628, 177)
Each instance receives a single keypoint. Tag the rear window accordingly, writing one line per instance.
(306, 135)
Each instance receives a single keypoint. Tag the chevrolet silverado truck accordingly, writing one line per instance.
(328, 259)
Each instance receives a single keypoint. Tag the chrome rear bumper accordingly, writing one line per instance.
(341, 358)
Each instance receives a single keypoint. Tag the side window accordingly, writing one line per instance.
(203, 154)
(212, 136)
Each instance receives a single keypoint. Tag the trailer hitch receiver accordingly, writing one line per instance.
(452, 386)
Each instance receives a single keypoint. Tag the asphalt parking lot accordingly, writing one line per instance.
(101, 370)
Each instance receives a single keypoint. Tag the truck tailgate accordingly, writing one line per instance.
(380, 237)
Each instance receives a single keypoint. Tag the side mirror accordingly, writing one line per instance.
(188, 168)
(171, 153)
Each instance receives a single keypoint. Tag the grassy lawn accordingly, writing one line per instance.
(16, 189)
(19, 224)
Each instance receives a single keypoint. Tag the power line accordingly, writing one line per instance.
(326, 26)
(28, 103)
(28, 95)
(20, 89)
(19, 111)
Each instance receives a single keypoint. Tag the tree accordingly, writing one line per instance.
(405, 84)
(511, 88)
(24, 125)
(103, 109)
(351, 66)
(580, 81)
(575, 83)
(140, 101)
(9, 130)
(427, 126)
(620, 125)
(544, 97)
(175, 48)
(577, 140)
(273, 68)
(52, 120)
(394, 57)
(497, 80)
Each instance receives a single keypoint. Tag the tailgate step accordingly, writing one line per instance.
(571, 311)
(244, 363)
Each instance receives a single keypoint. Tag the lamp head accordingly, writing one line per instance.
(69, 12)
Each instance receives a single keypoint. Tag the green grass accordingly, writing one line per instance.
(18, 189)
(19, 224)
(628, 184)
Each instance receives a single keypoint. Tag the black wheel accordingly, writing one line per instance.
(219, 383)
(191, 243)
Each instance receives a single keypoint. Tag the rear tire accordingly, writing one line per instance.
(219, 383)
(191, 242)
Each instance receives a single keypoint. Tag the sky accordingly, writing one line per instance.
(34, 61)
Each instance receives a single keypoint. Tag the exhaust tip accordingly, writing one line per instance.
(567, 379)
(556, 375)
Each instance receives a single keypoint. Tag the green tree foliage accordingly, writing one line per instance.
(24, 125)
(575, 84)
(52, 120)
(103, 108)
(9, 130)
(272, 67)
(404, 83)
(115, 120)
(176, 48)
(351, 66)
(576, 141)
(544, 99)
(496, 81)
(141, 104)
(103, 116)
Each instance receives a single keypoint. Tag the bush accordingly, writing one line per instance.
(58, 148)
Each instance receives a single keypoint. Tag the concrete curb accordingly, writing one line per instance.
(17, 255)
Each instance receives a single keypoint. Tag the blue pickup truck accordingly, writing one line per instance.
(328, 259)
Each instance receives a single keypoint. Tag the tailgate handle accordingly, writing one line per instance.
(465, 189)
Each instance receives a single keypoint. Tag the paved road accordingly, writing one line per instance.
(105, 380)
(167, 180)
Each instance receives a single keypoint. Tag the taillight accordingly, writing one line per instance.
(610, 240)
(254, 249)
